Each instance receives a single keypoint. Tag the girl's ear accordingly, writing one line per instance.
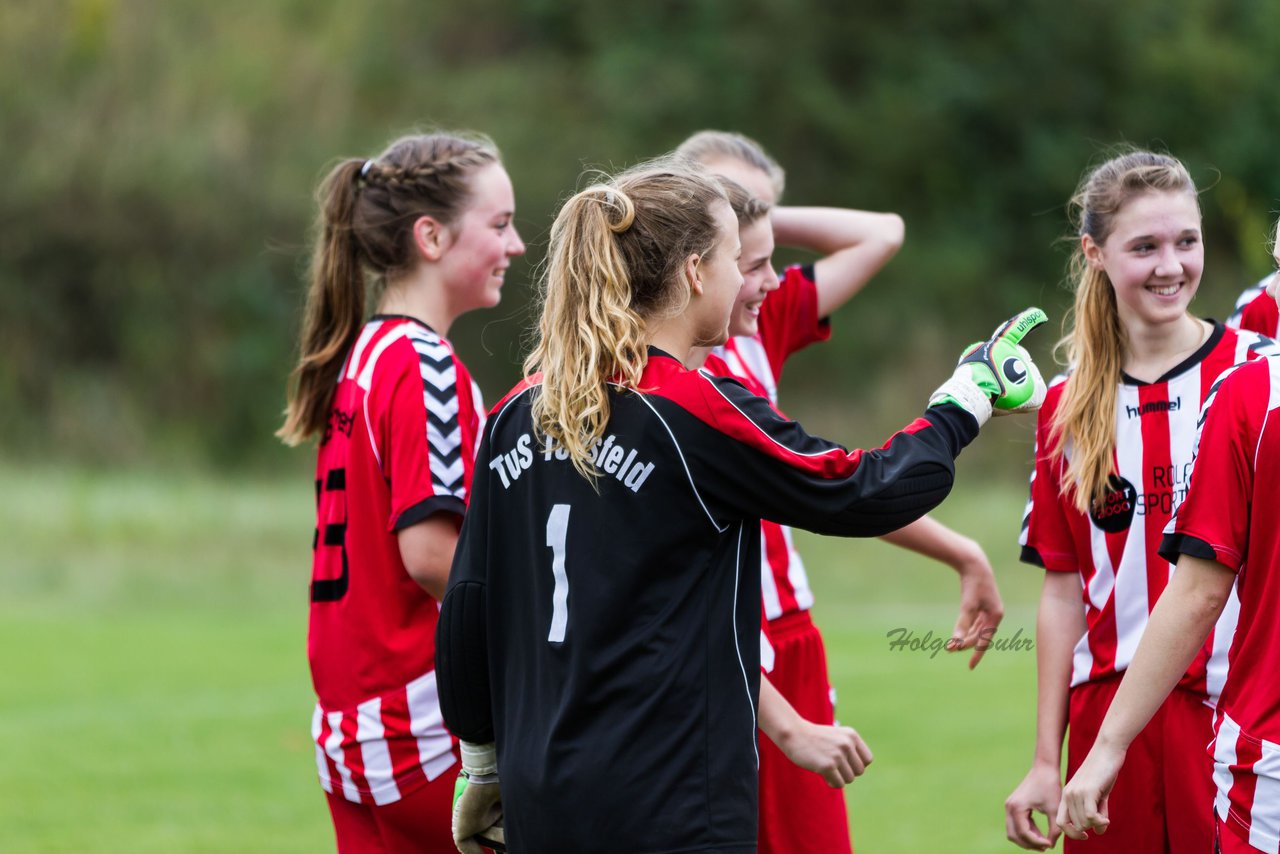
(430, 238)
(693, 273)
(1092, 252)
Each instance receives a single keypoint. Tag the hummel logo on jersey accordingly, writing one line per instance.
(1154, 406)
(608, 457)
(340, 420)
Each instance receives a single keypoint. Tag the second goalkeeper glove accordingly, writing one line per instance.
(477, 801)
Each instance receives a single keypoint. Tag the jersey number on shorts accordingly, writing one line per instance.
(557, 531)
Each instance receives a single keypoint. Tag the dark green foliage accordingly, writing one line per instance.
(160, 159)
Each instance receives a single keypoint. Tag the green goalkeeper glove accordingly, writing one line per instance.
(477, 801)
(997, 374)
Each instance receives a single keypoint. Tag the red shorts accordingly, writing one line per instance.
(1162, 802)
(416, 824)
(798, 810)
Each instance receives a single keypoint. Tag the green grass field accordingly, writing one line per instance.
(156, 695)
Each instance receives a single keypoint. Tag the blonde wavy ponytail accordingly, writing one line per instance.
(588, 330)
(613, 266)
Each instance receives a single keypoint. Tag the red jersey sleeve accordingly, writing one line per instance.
(1046, 540)
(416, 425)
(789, 319)
(1255, 311)
(1213, 521)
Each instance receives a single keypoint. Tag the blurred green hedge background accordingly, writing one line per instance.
(159, 159)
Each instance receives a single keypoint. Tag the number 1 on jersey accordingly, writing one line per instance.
(557, 530)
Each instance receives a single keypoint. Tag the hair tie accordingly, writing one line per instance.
(364, 170)
(619, 201)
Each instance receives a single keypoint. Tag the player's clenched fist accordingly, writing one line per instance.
(836, 753)
(997, 375)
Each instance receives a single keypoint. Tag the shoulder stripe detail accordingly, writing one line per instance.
(1261, 345)
(501, 409)
(680, 453)
(353, 361)
(1248, 296)
(365, 378)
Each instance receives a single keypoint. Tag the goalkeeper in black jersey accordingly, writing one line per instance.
(598, 647)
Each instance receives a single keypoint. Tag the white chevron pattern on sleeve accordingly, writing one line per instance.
(440, 399)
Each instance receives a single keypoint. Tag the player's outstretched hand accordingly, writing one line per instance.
(981, 608)
(477, 801)
(997, 374)
(1039, 792)
(1084, 800)
(836, 753)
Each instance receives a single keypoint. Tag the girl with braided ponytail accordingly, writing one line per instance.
(427, 226)
(1114, 446)
(598, 649)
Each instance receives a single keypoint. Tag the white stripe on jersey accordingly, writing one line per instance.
(353, 361)
(795, 572)
(477, 401)
(1263, 814)
(426, 724)
(1219, 656)
(1132, 605)
(1224, 756)
(767, 654)
(1031, 481)
(1249, 295)
(747, 357)
(374, 752)
(1264, 827)
(333, 747)
(1026, 510)
(322, 765)
(365, 378)
(769, 598)
(1099, 590)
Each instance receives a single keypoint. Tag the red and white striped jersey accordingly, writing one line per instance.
(1256, 311)
(1230, 516)
(400, 446)
(1115, 547)
(788, 322)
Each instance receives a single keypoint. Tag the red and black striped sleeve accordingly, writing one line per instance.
(1213, 520)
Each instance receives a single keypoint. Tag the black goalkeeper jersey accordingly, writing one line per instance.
(607, 635)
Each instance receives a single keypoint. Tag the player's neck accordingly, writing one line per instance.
(697, 357)
(676, 336)
(1152, 353)
(417, 297)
